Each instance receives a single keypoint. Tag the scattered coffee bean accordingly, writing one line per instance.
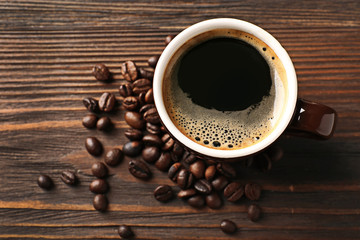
(252, 191)
(262, 162)
(184, 179)
(226, 169)
(254, 212)
(91, 104)
(203, 186)
(178, 150)
(168, 142)
(131, 103)
(99, 186)
(93, 146)
(213, 200)
(152, 116)
(135, 120)
(152, 140)
(107, 102)
(101, 72)
(198, 169)
(163, 193)
(141, 85)
(146, 74)
(153, 129)
(125, 232)
(68, 177)
(45, 182)
(152, 61)
(125, 90)
(163, 129)
(150, 154)
(219, 183)
(133, 134)
(133, 148)
(189, 158)
(234, 191)
(104, 124)
(186, 193)
(196, 201)
(90, 120)
(275, 153)
(139, 169)
(210, 172)
(149, 96)
(129, 70)
(164, 162)
(174, 171)
(99, 170)
(228, 226)
(146, 107)
(142, 98)
(100, 202)
(113, 157)
(168, 39)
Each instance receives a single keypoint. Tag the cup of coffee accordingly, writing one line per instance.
(226, 89)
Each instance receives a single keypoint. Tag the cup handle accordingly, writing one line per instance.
(312, 120)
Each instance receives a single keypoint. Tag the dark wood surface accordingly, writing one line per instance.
(47, 50)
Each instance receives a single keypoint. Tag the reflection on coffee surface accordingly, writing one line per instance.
(224, 89)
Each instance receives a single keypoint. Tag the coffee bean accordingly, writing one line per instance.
(139, 169)
(152, 61)
(99, 186)
(168, 142)
(174, 171)
(93, 146)
(141, 98)
(89, 121)
(150, 154)
(146, 74)
(252, 191)
(189, 158)
(168, 39)
(141, 85)
(163, 193)
(104, 124)
(68, 177)
(196, 201)
(234, 191)
(184, 179)
(213, 200)
(91, 104)
(125, 90)
(178, 150)
(107, 102)
(226, 169)
(228, 226)
(164, 161)
(131, 103)
(152, 140)
(152, 116)
(186, 193)
(198, 169)
(129, 70)
(153, 129)
(99, 170)
(275, 153)
(254, 212)
(203, 186)
(101, 72)
(125, 232)
(149, 96)
(262, 162)
(210, 172)
(133, 134)
(135, 120)
(146, 107)
(100, 202)
(133, 148)
(163, 129)
(113, 157)
(45, 182)
(220, 183)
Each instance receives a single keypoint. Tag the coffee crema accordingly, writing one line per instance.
(225, 89)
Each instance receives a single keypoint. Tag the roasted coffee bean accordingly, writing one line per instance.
(163, 193)
(219, 183)
(45, 182)
(141, 98)
(184, 179)
(228, 226)
(234, 191)
(101, 72)
(139, 169)
(131, 103)
(262, 162)
(91, 104)
(213, 200)
(210, 172)
(68, 177)
(152, 140)
(89, 121)
(135, 120)
(150, 154)
(164, 161)
(125, 90)
(100, 202)
(145, 108)
(146, 74)
(152, 116)
(99, 186)
(186, 193)
(149, 96)
(178, 150)
(163, 129)
(189, 158)
(104, 124)
(152, 61)
(99, 170)
(125, 232)
(107, 102)
(198, 169)
(203, 186)
(254, 212)
(275, 153)
(168, 39)
(168, 142)
(129, 70)
(93, 146)
(133, 134)
(226, 169)
(174, 171)
(113, 157)
(196, 201)
(153, 129)
(141, 85)
(133, 148)
(252, 191)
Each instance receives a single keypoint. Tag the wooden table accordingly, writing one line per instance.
(47, 50)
